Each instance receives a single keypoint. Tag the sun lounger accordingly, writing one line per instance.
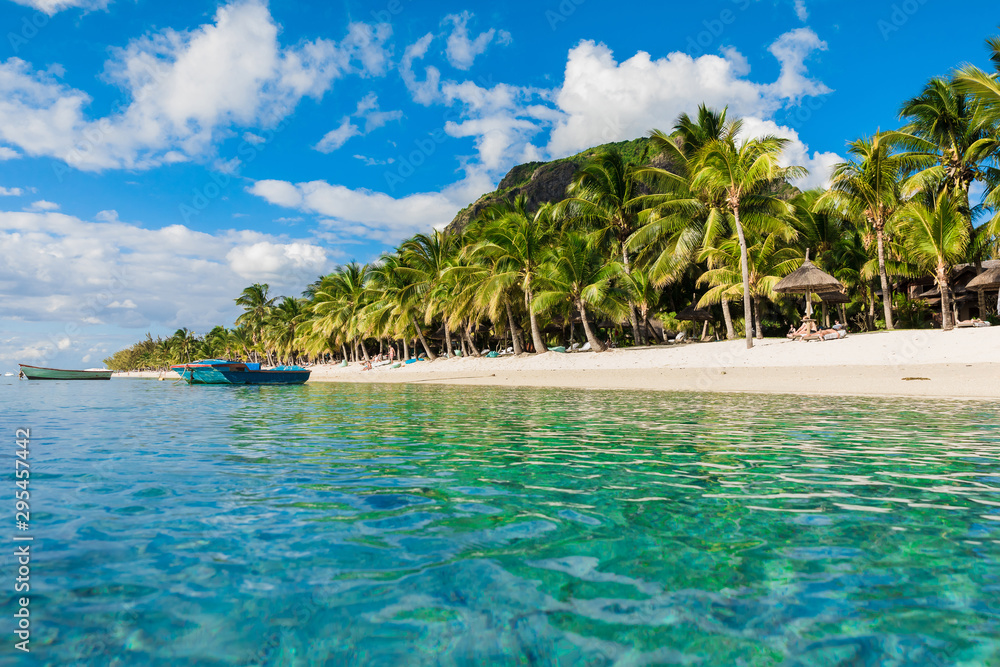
(559, 348)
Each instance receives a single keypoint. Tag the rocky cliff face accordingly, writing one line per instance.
(543, 182)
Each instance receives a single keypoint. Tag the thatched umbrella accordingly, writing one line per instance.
(987, 280)
(694, 314)
(807, 279)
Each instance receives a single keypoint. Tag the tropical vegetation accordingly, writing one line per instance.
(703, 209)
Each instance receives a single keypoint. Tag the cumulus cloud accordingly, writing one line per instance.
(604, 100)
(52, 7)
(368, 111)
(184, 90)
(820, 165)
(461, 50)
(42, 205)
(11, 192)
(368, 214)
(117, 274)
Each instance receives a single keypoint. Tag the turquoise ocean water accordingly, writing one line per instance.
(425, 525)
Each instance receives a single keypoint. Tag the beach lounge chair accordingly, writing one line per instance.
(585, 347)
(558, 348)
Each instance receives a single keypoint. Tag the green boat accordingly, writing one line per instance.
(39, 373)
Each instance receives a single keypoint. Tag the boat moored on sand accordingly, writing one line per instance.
(221, 371)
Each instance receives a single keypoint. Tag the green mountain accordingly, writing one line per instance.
(543, 182)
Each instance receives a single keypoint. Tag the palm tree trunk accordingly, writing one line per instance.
(942, 277)
(756, 318)
(423, 341)
(514, 337)
(447, 339)
(595, 344)
(745, 270)
(728, 317)
(704, 330)
(632, 317)
(536, 332)
(406, 349)
(884, 277)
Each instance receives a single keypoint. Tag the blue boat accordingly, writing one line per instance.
(221, 371)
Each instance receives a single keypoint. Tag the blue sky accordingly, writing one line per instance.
(155, 158)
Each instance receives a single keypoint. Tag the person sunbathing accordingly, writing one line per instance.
(807, 328)
(825, 334)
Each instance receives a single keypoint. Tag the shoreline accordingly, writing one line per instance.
(960, 364)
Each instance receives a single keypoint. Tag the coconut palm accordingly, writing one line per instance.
(768, 260)
(577, 273)
(686, 219)
(936, 236)
(396, 299)
(868, 190)
(608, 196)
(257, 306)
(514, 241)
(429, 256)
(745, 176)
(337, 306)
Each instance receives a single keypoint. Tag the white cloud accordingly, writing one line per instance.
(185, 90)
(369, 111)
(820, 165)
(801, 11)
(11, 192)
(42, 205)
(462, 51)
(791, 50)
(254, 139)
(375, 215)
(603, 100)
(375, 118)
(337, 137)
(271, 261)
(8, 153)
(118, 274)
(128, 304)
(424, 92)
(51, 7)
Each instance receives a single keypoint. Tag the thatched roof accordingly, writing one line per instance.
(808, 278)
(835, 297)
(989, 279)
(693, 314)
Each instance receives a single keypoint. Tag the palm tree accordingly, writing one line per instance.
(256, 309)
(949, 127)
(687, 219)
(396, 298)
(337, 306)
(577, 273)
(768, 261)
(868, 188)
(936, 236)
(430, 255)
(280, 331)
(744, 176)
(608, 196)
(514, 241)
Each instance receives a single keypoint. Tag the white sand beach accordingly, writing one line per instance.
(964, 363)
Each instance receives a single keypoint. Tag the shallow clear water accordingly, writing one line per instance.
(427, 525)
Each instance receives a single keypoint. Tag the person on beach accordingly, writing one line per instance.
(806, 328)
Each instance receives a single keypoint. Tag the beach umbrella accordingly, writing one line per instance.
(694, 314)
(808, 279)
(987, 280)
